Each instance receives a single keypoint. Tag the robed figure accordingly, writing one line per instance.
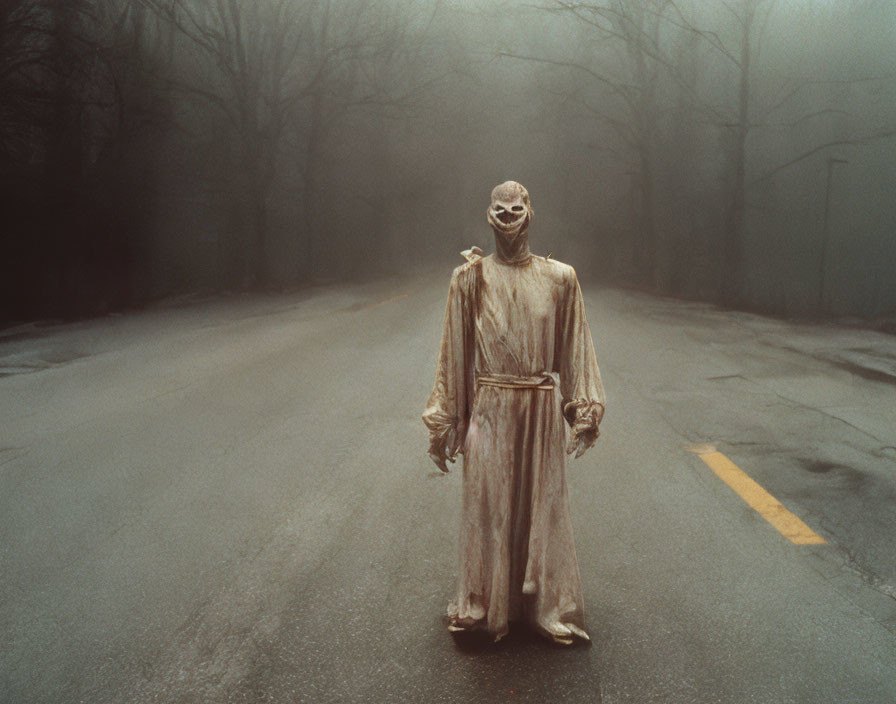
(517, 389)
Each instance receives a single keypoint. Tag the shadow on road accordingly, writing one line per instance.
(520, 640)
(526, 666)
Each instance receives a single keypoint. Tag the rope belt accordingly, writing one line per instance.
(544, 381)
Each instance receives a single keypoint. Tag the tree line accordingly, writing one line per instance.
(734, 151)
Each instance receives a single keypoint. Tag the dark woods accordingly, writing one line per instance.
(738, 151)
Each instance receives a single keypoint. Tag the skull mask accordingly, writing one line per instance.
(509, 215)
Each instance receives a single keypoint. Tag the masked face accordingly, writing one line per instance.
(510, 212)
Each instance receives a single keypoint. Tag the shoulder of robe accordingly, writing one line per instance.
(472, 255)
(473, 258)
(562, 272)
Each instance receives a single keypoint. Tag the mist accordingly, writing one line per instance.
(740, 153)
(229, 228)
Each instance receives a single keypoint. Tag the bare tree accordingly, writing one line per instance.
(253, 74)
(751, 115)
(368, 61)
(631, 64)
(45, 62)
(648, 46)
(128, 112)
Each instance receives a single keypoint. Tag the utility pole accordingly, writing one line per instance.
(825, 236)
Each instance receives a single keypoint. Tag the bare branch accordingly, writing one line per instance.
(794, 123)
(616, 88)
(827, 145)
(826, 81)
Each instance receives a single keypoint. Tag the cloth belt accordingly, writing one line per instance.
(545, 381)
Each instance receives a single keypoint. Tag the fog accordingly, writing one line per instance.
(740, 152)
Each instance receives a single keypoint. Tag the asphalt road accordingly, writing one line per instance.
(230, 501)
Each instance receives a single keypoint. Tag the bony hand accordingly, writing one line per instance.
(582, 440)
(441, 461)
(442, 452)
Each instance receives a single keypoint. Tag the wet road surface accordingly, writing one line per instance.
(230, 501)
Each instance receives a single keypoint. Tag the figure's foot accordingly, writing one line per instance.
(472, 619)
(578, 632)
(565, 633)
(472, 629)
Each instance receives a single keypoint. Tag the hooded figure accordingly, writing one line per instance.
(517, 389)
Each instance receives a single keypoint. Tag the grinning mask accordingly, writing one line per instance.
(509, 215)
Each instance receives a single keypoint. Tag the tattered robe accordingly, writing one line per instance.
(516, 367)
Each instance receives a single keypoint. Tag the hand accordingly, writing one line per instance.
(441, 461)
(581, 440)
(443, 450)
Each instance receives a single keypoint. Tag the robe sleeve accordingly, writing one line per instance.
(448, 408)
(580, 383)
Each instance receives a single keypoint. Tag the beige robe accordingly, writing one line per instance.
(517, 364)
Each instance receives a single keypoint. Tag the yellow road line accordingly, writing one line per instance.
(764, 503)
(390, 300)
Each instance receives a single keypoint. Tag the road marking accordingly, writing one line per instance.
(758, 498)
(390, 300)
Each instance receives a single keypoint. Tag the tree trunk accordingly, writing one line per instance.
(63, 161)
(309, 228)
(313, 239)
(733, 287)
(260, 274)
(647, 223)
